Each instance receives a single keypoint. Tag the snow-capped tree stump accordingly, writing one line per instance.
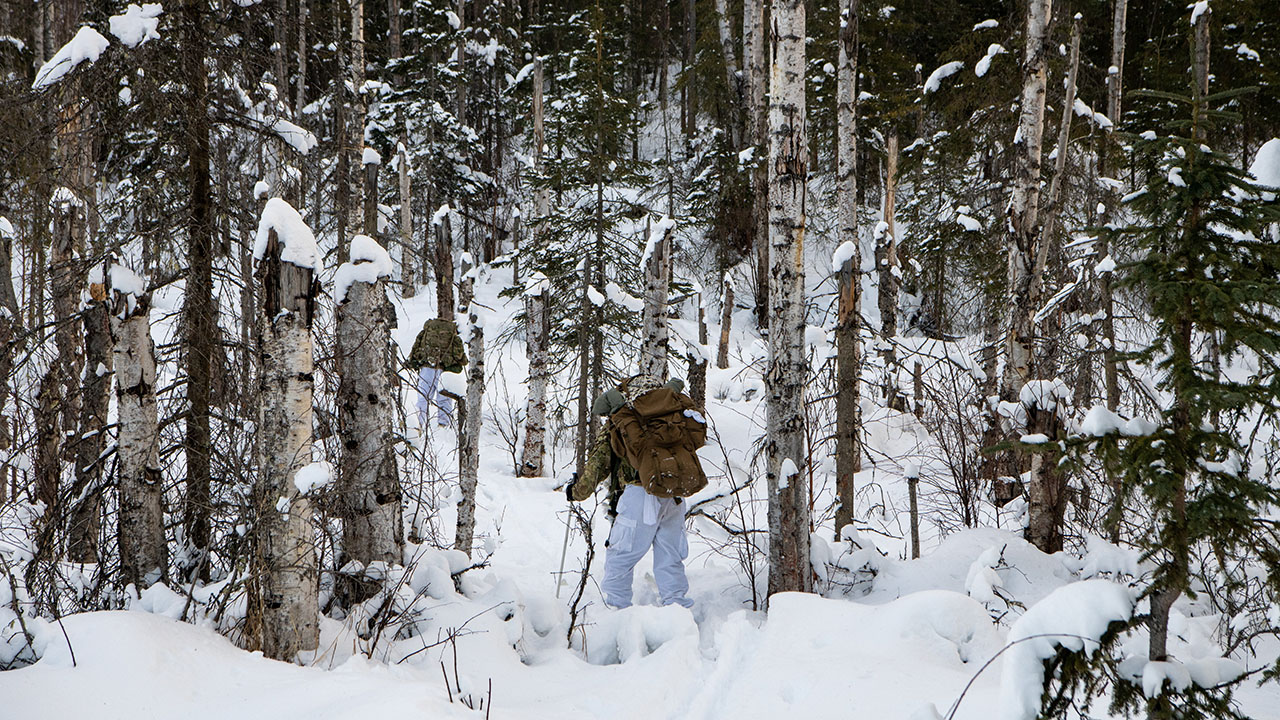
(654, 338)
(143, 558)
(286, 603)
(470, 425)
(537, 326)
(368, 480)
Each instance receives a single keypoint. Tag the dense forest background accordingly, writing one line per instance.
(1045, 231)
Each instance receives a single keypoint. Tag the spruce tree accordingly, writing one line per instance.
(1210, 275)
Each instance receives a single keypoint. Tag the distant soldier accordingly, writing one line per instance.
(437, 349)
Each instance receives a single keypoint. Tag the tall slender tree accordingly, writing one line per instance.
(788, 191)
(849, 303)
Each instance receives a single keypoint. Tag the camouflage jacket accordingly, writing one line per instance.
(438, 345)
(603, 464)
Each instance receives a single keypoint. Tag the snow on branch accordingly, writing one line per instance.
(937, 76)
(137, 25)
(1074, 617)
(87, 46)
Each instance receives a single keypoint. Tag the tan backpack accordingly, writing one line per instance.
(659, 434)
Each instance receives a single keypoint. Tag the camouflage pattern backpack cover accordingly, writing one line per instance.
(659, 433)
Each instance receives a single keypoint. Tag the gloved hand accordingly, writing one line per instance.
(568, 487)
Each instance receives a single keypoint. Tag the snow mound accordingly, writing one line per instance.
(132, 664)
(313, 476)
(297, 243)
(818, 658)
(1074, 616)
(1044, 394)
(637, 631)
(1266, 164)
(369, 263)
(87, 46)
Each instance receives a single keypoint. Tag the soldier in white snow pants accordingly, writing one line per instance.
(646, 521)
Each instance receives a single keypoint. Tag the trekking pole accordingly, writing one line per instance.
(564, 550)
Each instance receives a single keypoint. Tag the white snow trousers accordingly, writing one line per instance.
(646, 521)
(428, 392)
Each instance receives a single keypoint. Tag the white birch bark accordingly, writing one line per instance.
(408, 256)
(541, 196)
(657, 278)
(889, 276)
(368, 480)
(1024, 211)
(789, 567)
(1025, 240)
(730, 70)
(536, 327)
(287, 571)
(849, 305)
(141, 517)
(472, 412)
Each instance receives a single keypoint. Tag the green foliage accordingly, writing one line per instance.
(1206, 266)
(595, 224)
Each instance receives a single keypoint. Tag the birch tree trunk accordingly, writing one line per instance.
(143, 559)
(730, 72)
(698, 360)
(1024, 209)
(537, 326)
(537, 319)
(287, 604)
(849, 307)
(657, 279)
(472, 412)
(86, 513)
(1024, 248)
(754, 39)
(726, 323)
(368, 479)
(408, 257)
(789, 567)
(890, 276)
(357, 211)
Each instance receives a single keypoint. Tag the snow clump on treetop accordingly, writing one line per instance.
(297, 243)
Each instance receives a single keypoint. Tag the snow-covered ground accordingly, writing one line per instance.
(888, 638)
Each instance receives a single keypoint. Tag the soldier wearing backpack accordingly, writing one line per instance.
(437, 349)
(648, 449)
